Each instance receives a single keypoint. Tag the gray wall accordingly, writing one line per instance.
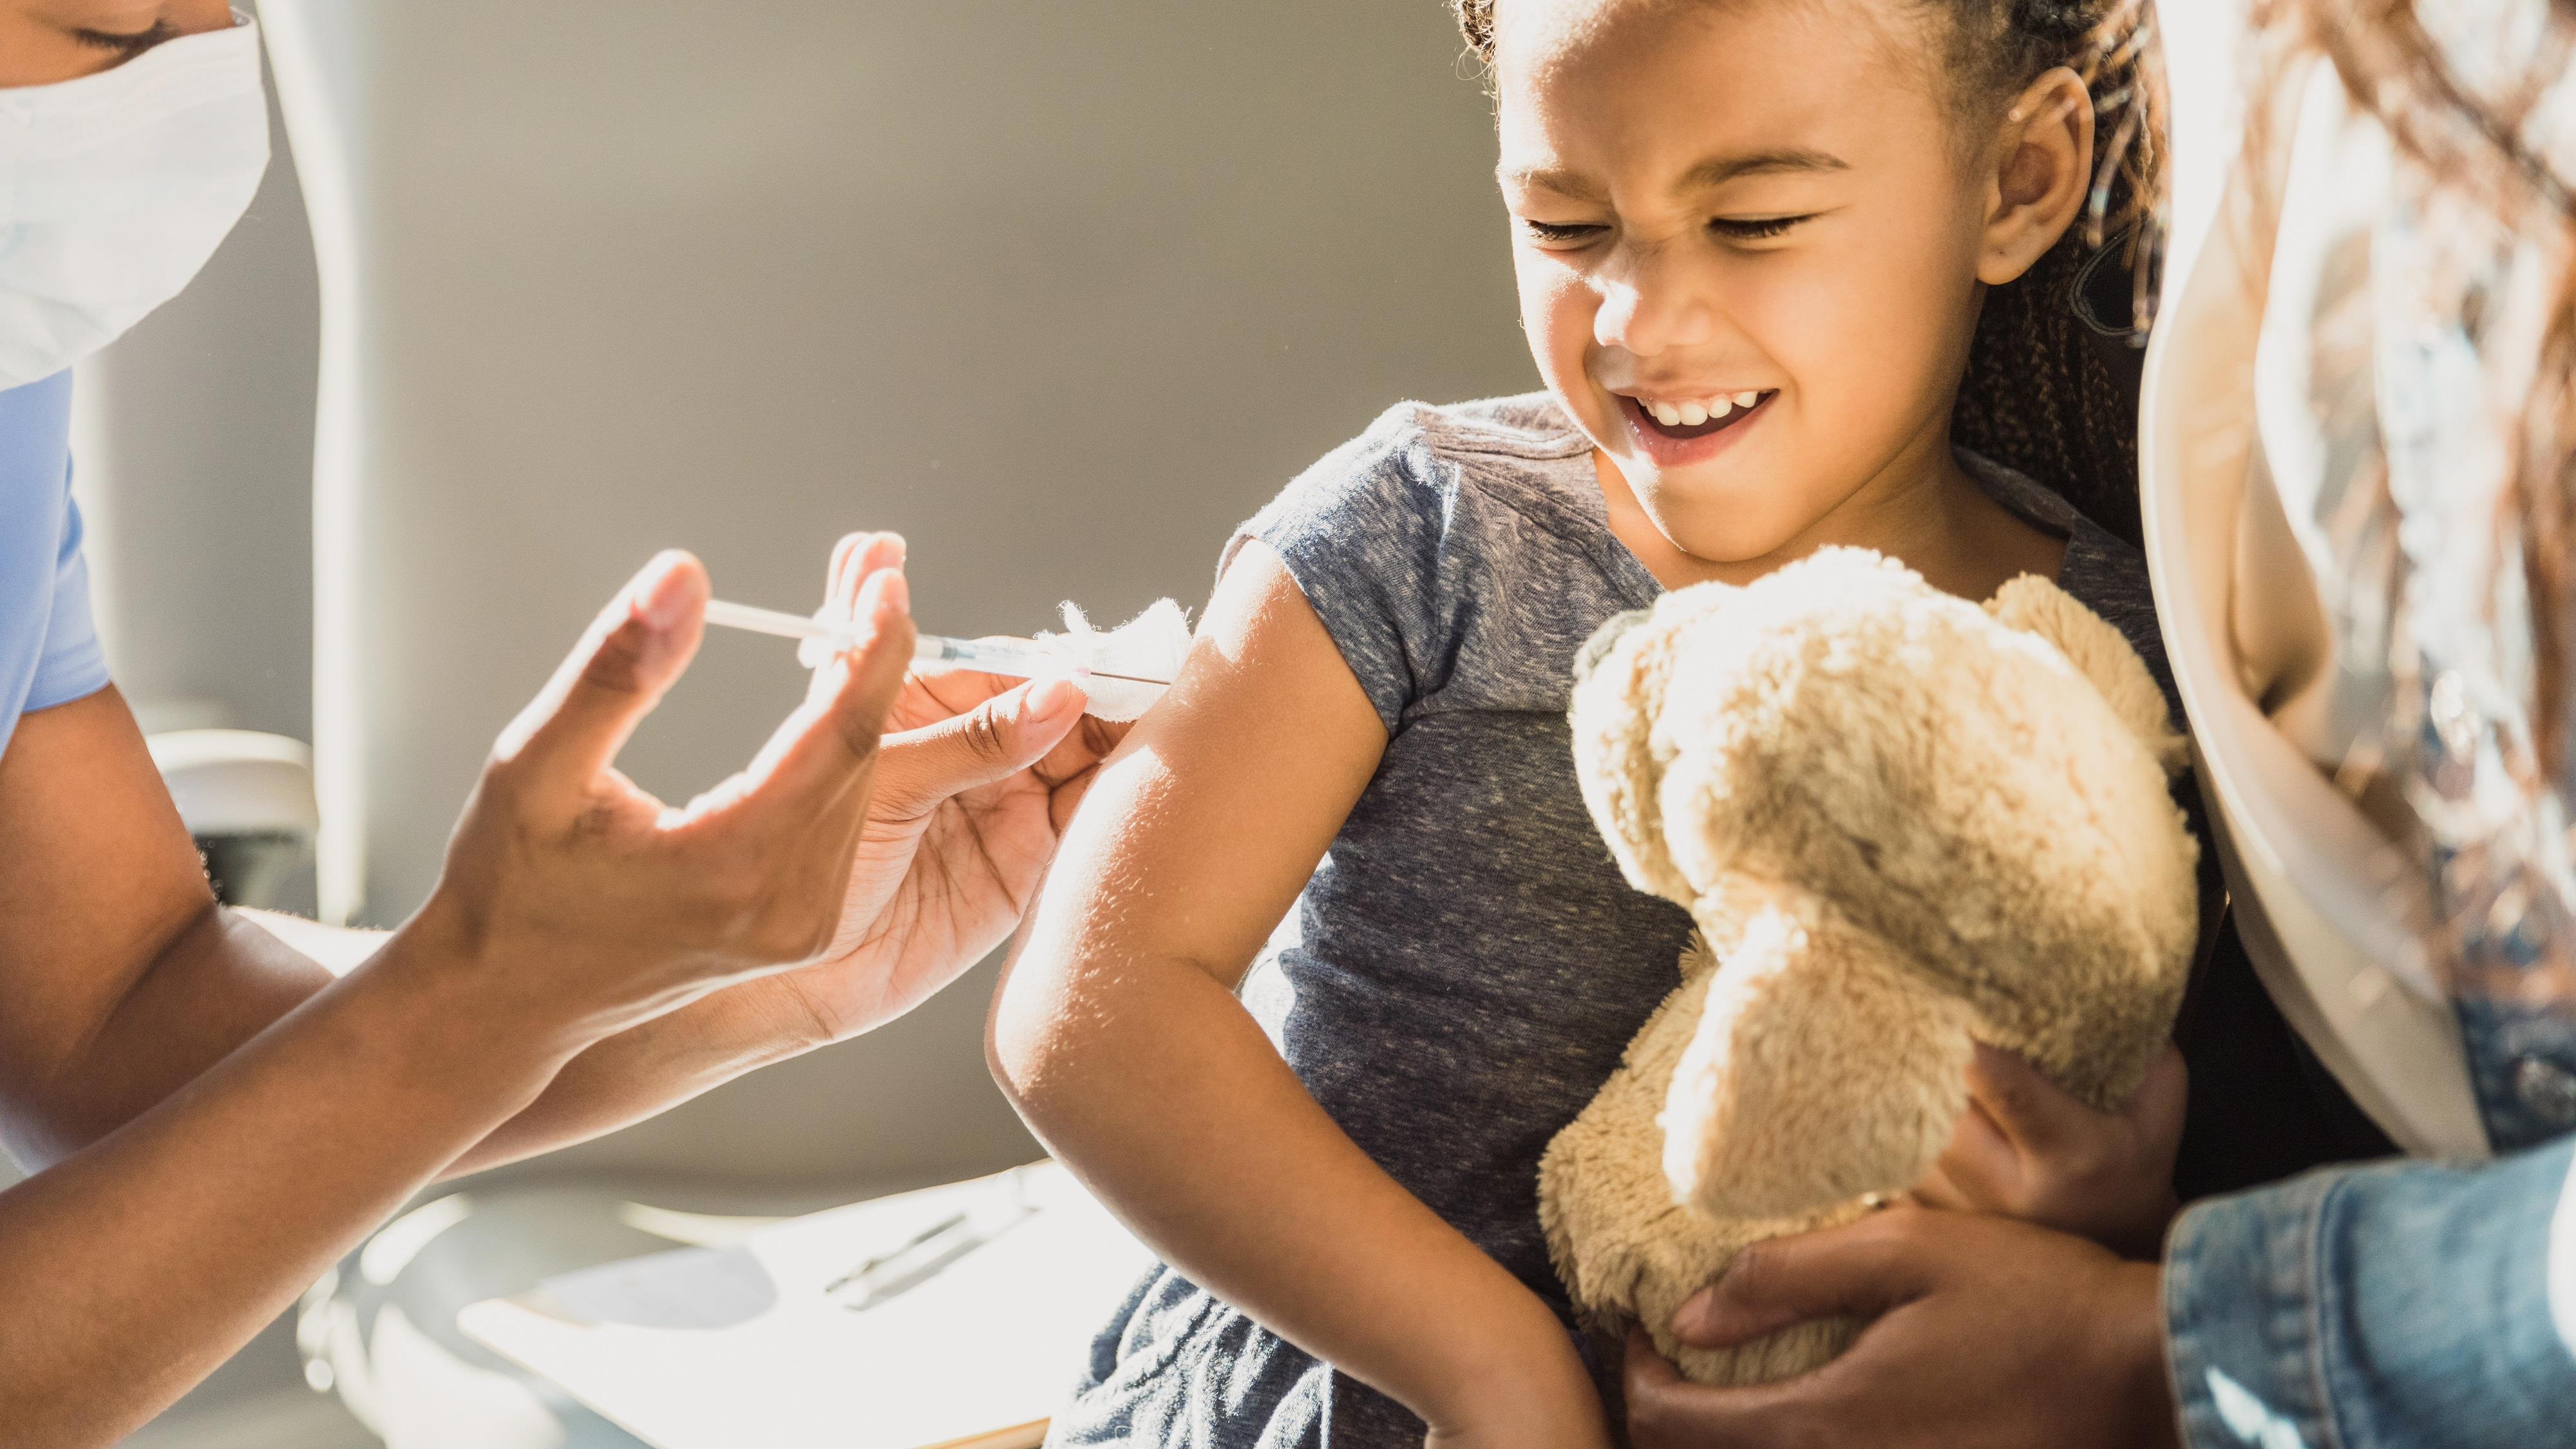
(1062, 290)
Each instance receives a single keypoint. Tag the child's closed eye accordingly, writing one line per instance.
(1744, 229)
(1562, 233)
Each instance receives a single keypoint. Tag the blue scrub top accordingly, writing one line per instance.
(49, 650)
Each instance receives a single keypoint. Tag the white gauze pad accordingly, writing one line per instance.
(1152, 644)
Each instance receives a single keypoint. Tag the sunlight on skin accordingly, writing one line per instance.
(45, 41)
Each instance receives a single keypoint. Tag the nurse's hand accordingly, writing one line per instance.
(575, 905)
(1980, 1331)
(979, 775)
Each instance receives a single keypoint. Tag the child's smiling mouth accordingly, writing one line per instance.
(1669, 429)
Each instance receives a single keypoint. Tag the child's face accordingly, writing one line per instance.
(1759, 202)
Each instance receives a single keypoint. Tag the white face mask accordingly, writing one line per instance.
(116, 188)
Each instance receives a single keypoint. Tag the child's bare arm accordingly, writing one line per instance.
(1118, 1036)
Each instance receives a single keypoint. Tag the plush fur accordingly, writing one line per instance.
(1904, 824)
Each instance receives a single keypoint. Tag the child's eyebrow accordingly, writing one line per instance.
(1718, 170)
(1714, 172)
(1564, 183)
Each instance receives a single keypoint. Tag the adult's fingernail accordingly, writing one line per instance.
(894, 592)
(1054, 699)
(661, 593)
(880, 593)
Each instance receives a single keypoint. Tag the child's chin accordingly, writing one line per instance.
(1707, 517)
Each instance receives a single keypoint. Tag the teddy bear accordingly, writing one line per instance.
(1903, 824)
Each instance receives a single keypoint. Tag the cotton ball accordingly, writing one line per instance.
(1151, 645)
(816, 652)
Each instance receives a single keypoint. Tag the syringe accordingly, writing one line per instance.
(931, 653)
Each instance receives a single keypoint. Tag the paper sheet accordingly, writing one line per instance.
(722, 1348)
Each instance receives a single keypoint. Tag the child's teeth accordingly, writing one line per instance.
(1693, 414)
(1720, 408)
(1747, 399)
(1665, 413)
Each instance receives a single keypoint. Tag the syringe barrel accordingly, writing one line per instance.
(938, 653)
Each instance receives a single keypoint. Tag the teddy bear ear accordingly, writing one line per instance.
(2100, 653)
(1822, 1069)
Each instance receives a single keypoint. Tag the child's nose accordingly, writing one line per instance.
(1652, 302)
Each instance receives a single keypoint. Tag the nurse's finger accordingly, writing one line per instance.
(628, 658)
(999, 738)
(816, 769)
(855, 557)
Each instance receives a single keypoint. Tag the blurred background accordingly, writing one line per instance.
(1061, 290)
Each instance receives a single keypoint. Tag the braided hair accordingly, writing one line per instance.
(2051, 387)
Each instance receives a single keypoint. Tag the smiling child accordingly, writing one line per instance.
(1753, 238)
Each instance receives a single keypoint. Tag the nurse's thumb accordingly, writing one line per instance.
(631, 655)
(920, 769)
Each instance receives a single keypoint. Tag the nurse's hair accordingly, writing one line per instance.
(2051, 387)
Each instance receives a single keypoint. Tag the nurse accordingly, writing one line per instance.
(214, 1116)
(2359, 460)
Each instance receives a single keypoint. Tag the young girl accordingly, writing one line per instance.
(1753, 239)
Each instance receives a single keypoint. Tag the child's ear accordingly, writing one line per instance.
(1822, 1069)
(2043, 158)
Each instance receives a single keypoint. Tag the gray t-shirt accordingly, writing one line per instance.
(1466, 965)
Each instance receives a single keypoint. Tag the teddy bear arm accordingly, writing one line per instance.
(1822, 1068)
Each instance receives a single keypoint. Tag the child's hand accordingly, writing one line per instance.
(2026, 1149)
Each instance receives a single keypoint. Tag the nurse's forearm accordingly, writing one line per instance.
(648, 1070)
(623, 1080)
(136, 1265)
(226, 976)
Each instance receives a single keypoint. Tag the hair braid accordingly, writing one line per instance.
(2050, 389)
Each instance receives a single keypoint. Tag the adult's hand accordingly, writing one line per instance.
(969, 792)
(2027, 1148)
(1981, 1332)
(210, 1108)
(978, 776)
(579, 904)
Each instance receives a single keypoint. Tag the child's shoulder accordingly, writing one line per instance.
(1402, 539)
(1421, 464)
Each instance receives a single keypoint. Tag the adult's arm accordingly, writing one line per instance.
(2406, 1303)
(573, 908)
(127, 980)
